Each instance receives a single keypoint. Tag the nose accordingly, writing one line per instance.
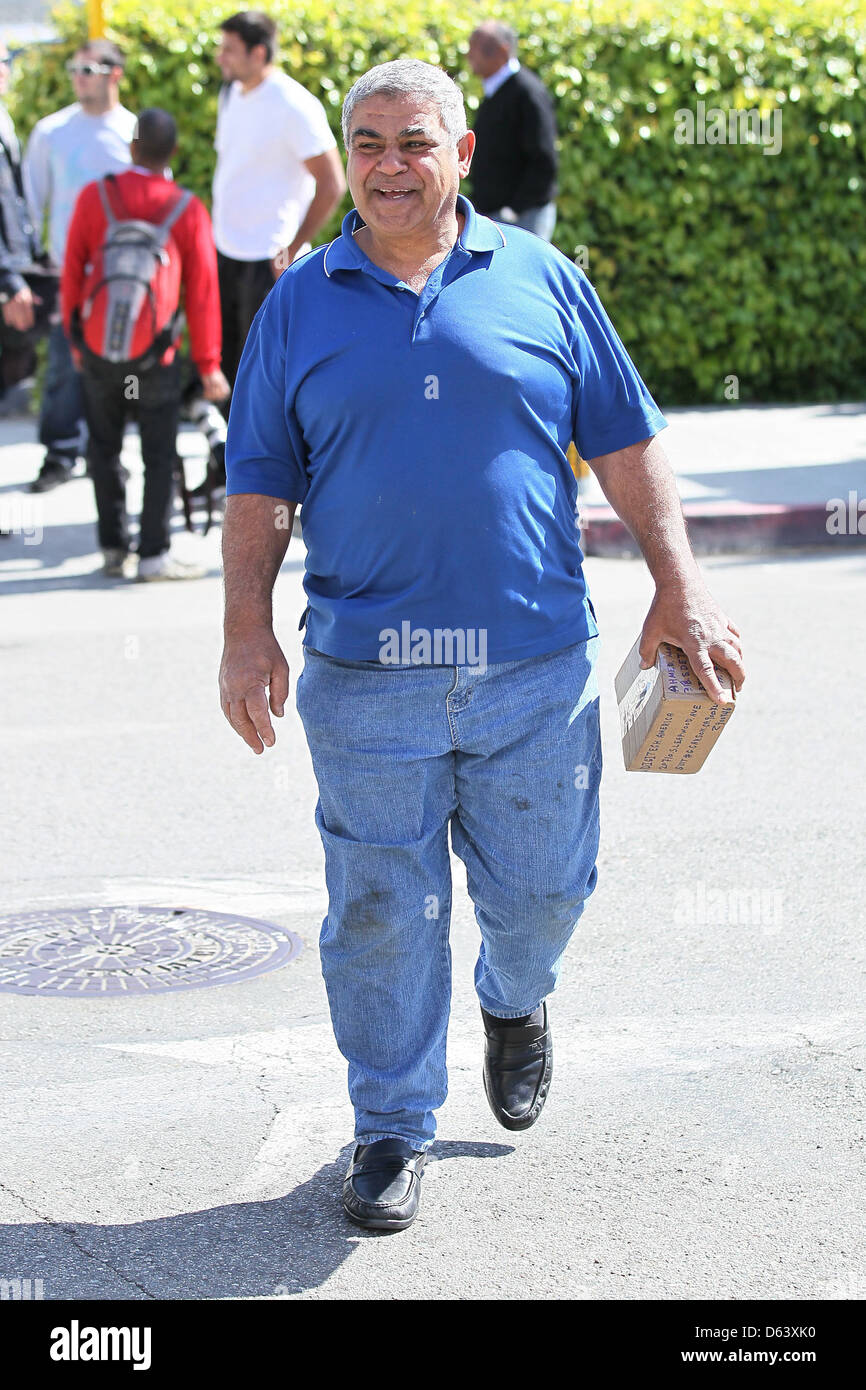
(391, 161)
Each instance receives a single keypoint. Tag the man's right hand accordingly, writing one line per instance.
(252, 663)
(214, 386)
(18, 311)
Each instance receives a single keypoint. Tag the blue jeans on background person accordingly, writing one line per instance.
(510, 756)
(61, 419)
(541, 220)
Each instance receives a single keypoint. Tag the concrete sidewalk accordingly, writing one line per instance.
(752, 478)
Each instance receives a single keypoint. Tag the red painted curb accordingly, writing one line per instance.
(723, 527)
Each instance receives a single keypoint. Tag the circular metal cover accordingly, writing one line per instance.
(135, 950)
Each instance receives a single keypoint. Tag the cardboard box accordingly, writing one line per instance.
(667, 720)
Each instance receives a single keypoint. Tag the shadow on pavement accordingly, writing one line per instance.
(246, 1250)
(814, 483)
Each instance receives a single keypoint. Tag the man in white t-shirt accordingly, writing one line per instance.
(67, 150)
(278, 176)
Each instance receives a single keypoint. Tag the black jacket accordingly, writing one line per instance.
(20, 250)
(515, 161)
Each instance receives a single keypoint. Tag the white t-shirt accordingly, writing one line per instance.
(261, 190)
(66, 150)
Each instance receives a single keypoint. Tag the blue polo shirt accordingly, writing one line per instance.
(426, 436)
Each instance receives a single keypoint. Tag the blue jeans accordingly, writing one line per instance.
(61, 420)
(510, 757)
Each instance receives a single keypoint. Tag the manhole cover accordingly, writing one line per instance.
(135, 950)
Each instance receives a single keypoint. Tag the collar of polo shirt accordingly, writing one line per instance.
(479, 234)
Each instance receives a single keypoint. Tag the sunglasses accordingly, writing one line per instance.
(88, 69)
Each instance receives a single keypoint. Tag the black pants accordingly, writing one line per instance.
(113, 393)
(18, 348)
(243, 286)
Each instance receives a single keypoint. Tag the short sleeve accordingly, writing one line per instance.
(612, 406)
(306, 126)
(264, 447)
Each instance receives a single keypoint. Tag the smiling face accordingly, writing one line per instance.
(403, 168)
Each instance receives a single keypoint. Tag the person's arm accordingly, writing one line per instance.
(265, 480)
(16, 297)
(252, 662)
(327, 170)
(615, 421)
(639, 483)
(86, 230)
(36, 175)
(15, 293)
(194, 238)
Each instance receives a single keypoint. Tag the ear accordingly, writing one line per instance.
(465, 148)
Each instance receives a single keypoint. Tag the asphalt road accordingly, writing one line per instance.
(704, 1136)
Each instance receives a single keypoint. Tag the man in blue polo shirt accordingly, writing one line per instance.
(415, 386)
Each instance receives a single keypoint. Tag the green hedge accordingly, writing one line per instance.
(713, 259)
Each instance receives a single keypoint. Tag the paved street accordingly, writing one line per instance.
(704, 1136)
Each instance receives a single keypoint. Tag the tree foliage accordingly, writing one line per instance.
(712, 259)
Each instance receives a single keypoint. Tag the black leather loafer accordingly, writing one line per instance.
(382, 1186)
(518, 1065)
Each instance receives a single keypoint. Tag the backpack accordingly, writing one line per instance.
(135, 283)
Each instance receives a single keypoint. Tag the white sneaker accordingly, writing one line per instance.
(166, 566)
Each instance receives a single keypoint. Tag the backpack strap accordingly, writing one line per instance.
(103, 196)
(178, 206)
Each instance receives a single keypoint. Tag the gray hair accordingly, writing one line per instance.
(409, 77)
(493, 32)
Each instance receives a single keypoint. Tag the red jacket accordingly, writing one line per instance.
(148, 197)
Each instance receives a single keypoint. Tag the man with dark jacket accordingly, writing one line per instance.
(141, 367)
(27, 289)
(515, 164)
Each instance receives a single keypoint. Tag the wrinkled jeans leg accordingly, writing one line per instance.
(527, 823)
(381, 753)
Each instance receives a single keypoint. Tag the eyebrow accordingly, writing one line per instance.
(377, 135)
